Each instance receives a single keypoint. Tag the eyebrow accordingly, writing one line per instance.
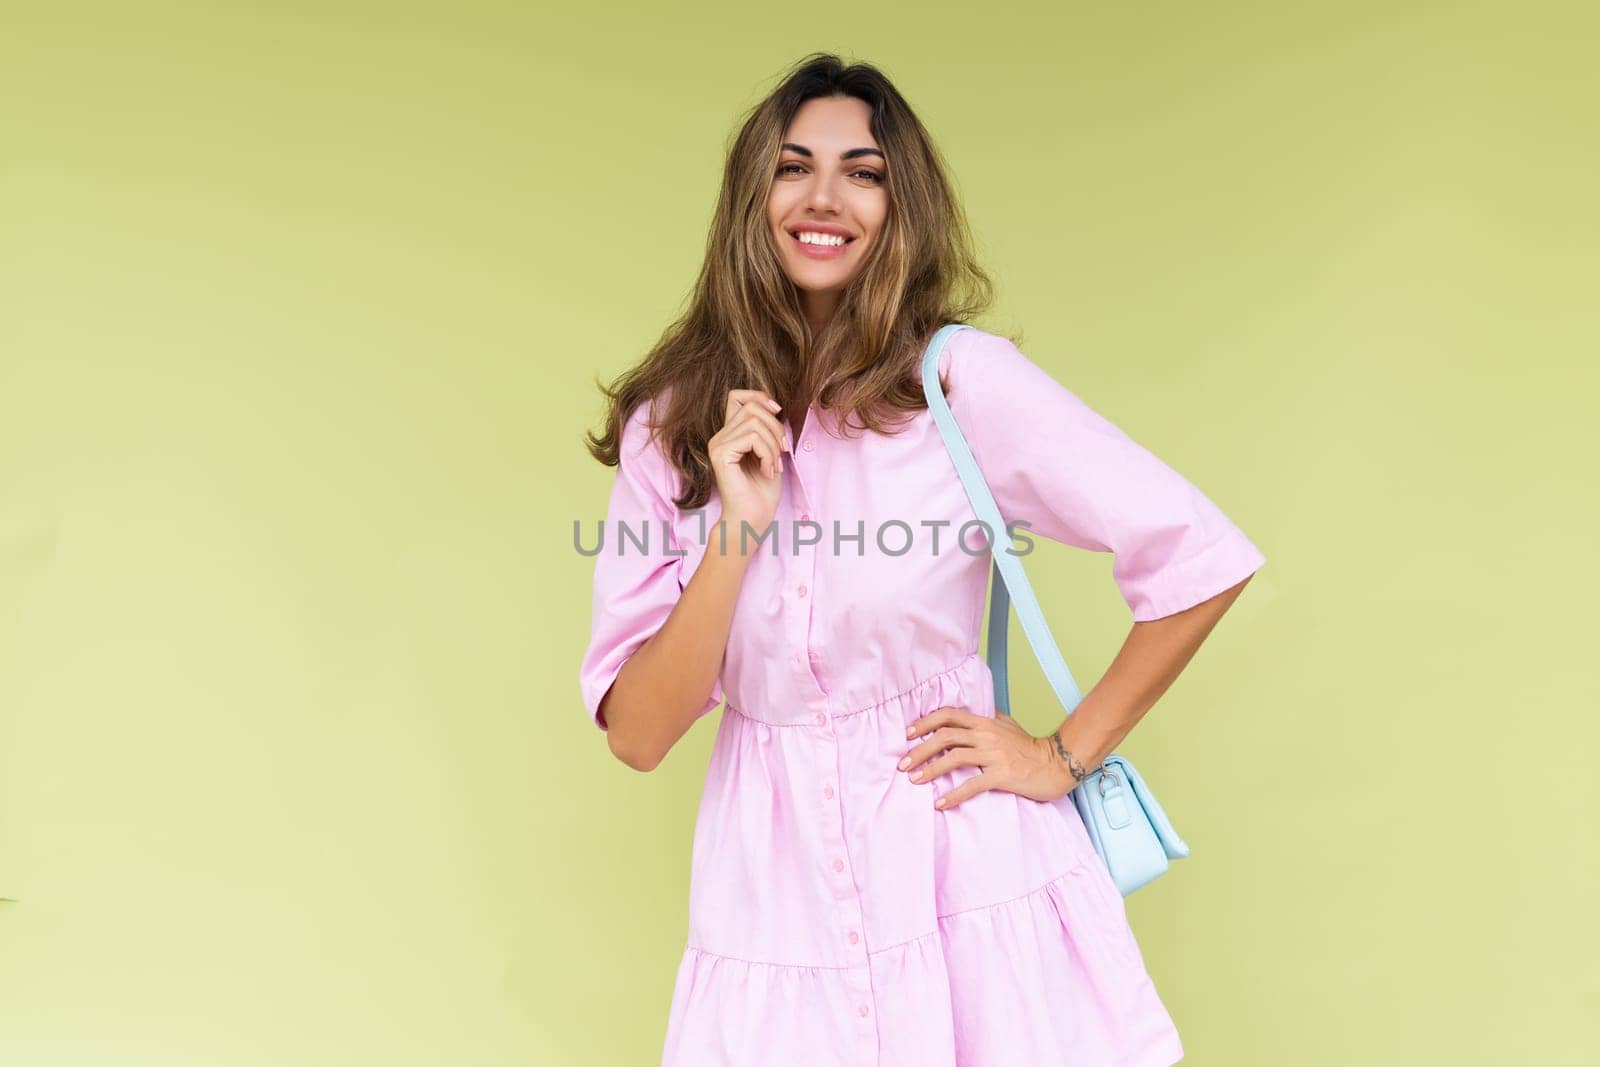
(851, 154)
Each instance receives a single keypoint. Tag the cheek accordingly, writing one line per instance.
(780, 202)
(872, 216)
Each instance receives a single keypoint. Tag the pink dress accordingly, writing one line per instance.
(836, 918)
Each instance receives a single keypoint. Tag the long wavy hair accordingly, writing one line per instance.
(745, 326)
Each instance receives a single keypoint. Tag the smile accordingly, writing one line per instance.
(821, 245)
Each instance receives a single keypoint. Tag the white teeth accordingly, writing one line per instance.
(811, 237)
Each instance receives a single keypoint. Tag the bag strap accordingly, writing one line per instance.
(1009, 581)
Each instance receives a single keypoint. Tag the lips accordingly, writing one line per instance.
(831, 229)
(821, 251)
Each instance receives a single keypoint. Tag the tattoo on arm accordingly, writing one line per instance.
(1073, 766)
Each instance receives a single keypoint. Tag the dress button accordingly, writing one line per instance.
(863, 1011)
(805, 516)
(838, 865)
(815, 657)
(827, 792)
(809, 447)
(854, 937)
(801, 590)
(822, 718)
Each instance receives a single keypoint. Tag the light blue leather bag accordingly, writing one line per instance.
(1130, 831)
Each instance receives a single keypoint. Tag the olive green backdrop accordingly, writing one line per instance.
(300, 311)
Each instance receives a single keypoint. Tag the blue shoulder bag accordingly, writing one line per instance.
(1128, 828)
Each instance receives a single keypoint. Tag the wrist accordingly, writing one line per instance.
(1070, 758)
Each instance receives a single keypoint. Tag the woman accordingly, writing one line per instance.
(845, 910)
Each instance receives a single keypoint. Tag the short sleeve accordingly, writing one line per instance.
(634, 588)
(1059, 469)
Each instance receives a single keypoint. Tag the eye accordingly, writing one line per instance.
(871, 175)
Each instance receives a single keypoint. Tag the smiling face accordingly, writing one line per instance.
(828, 200)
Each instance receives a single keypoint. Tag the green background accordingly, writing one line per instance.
(300, 311)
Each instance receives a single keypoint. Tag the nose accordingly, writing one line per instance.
(823, 196)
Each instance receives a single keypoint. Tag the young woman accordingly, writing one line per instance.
(885, 871)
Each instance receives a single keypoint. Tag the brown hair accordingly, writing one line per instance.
(745, 326)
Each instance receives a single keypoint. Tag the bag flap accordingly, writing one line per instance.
(1174, 846)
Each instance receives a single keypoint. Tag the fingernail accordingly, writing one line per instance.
(775, 405)
(911, 731)
(903, 764)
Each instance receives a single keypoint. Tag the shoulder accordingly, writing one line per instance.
(979, 365)
(973, 347)
(643, 447)
(640, 435)
(997, 391)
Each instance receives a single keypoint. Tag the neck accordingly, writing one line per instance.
(819, 308)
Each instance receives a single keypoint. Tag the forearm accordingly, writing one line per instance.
(658, 694)
(1150, 660)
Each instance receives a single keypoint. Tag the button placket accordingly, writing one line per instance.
(799, 568)
(848, 912)
(800, 577)
(834, 861)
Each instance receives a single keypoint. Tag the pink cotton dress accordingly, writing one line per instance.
(836, 918)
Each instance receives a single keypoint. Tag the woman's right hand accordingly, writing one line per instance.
(746, 458)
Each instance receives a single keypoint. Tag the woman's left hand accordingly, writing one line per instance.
(1012, 759)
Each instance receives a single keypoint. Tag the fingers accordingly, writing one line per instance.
(757, 406)
(978, 783)
(939, 717)
(751, 425)
(738, 398)
(943, 738)
(745, 435)
(752, 403)
(733, 443)
(949, 761)
(956, 735)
